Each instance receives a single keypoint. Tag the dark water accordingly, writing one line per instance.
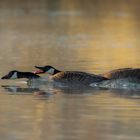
(87, 35)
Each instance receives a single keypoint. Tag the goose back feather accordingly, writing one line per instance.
(131, 74)
(77, 77)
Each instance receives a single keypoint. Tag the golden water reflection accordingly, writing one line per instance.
(87, 35)
(61, 33)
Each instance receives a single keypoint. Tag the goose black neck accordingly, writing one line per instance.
(28, 75)
(56, 71)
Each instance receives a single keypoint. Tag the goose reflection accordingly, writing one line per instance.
(18, 89)
(43, 90)
(125, 93)
(13, 89)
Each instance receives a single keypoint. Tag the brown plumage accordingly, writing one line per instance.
(75, 77)
(70, 77)
(131, 74)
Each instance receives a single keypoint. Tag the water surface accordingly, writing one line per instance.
(87, 35)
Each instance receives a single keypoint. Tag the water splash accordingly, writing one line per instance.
(117, 83)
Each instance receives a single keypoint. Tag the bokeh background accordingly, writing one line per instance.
(89, 35)
(86, 35)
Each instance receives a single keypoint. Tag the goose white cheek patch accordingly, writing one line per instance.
(50, 71)
(14, 76)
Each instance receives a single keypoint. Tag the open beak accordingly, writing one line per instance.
(40, 71)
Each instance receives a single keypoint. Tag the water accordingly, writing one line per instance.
(87, 35)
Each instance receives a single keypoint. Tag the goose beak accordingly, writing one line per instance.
(5, 77)
(39, 71)
(39, 67)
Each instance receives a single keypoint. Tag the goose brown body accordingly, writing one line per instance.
(125, 74)
(70, 77)
(130, 74)
(77, 77)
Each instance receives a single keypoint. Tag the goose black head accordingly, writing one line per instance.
(46, 69)
(17, 74)
(11, 75)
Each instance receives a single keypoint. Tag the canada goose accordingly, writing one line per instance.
(17, 74)
(129, 74)
(73, 77)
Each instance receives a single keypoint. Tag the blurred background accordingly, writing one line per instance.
(85, 35)
(88, 35)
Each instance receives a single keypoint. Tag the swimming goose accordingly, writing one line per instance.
(18, 74)
(129, 74)
(72, 77)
